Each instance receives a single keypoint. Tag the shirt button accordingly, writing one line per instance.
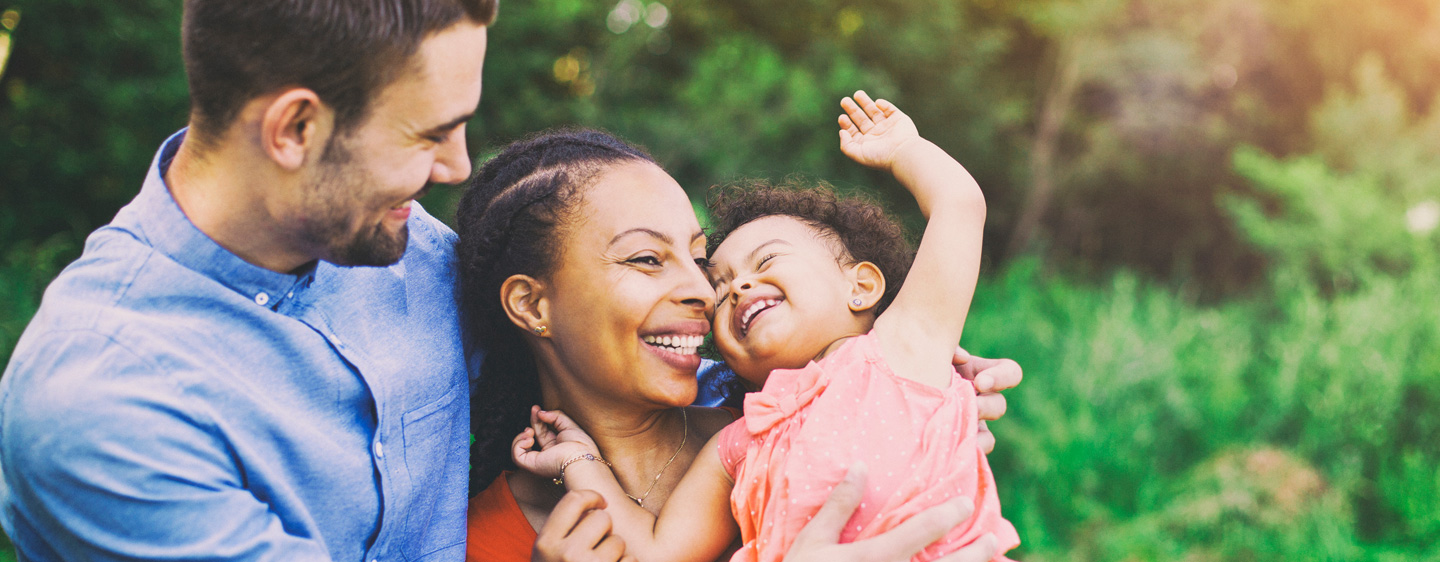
(262, 299)
(379, 450)
(334, 339)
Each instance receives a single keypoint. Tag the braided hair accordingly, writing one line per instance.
(511, 221)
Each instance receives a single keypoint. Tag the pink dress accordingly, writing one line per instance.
(807, 426)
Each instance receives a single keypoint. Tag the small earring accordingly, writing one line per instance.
(858, 302)
(540, 330)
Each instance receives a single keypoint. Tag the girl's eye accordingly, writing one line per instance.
(765, 260)
(703, 263)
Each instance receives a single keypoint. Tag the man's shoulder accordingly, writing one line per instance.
(119, 280)
(430, 235)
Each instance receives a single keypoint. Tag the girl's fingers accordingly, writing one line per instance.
(886, 107)
(861, 119)
(868, 105)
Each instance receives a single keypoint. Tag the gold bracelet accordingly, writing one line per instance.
(585, 457)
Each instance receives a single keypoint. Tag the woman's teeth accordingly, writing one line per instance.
(684, 345)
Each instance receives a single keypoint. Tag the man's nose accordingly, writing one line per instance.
(452, 162)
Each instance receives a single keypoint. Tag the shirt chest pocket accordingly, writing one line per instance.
(435, 460)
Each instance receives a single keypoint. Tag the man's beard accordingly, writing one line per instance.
(332, 197)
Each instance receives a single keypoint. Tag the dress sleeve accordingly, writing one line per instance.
(114, 470)
(734, 439)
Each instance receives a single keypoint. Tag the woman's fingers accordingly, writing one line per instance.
(611, 548)
(916, 533)
(981, 550)
(996, 375)
(991, 406)
(985, 438)
(574, 528)
(824, 528)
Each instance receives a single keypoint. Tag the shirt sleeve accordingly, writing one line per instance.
(733, 441)
(103, 459)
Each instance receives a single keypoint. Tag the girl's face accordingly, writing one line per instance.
(628, 302)
(781, 296)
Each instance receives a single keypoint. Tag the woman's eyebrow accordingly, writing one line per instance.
(652, 233)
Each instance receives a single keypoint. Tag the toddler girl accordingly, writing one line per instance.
(852, 368)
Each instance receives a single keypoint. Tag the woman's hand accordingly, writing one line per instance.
(819, 540)
(551, 440)
(990, 377)
(578, 530)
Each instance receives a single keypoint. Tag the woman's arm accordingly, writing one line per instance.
(919, 331)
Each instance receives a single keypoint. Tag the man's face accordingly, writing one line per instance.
(357, 199)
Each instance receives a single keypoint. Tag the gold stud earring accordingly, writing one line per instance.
(540, 330)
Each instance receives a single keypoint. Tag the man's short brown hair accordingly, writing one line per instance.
(346, 51)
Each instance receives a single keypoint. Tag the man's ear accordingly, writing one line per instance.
(294, 126)
(524, 300)
(867, 286)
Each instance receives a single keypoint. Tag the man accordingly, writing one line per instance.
(213, 378)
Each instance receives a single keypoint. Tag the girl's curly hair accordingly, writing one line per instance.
(859, 226)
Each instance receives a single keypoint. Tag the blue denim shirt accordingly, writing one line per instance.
(171, 401)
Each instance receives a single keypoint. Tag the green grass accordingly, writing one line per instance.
(1293, 426)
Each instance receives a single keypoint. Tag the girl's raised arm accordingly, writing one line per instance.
(918, 332)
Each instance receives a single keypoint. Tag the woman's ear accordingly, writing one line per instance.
(294, 126)
(524, 299)
(867, 286)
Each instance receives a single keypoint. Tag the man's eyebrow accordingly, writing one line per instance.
(653, 234)
(451, 124)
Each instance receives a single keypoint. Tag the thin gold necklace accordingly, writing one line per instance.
(640, 501)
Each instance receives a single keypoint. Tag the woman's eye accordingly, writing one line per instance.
(646, 260)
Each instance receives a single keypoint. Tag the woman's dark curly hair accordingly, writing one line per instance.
(512, 220)
(860, 226)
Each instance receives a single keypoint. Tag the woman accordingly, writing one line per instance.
(593, 252)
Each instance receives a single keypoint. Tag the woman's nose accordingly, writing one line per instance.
(696, 290)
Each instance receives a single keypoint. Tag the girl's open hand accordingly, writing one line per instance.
(873, 132)
(551, 439)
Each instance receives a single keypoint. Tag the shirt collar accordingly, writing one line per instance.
(156, 217)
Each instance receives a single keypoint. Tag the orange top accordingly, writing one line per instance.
(496, 529)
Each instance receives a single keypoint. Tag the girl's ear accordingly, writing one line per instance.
(524, 299)
(867, 286)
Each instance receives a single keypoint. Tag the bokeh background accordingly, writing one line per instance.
(1212, 240)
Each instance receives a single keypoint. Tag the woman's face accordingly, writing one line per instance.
(628, 302)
